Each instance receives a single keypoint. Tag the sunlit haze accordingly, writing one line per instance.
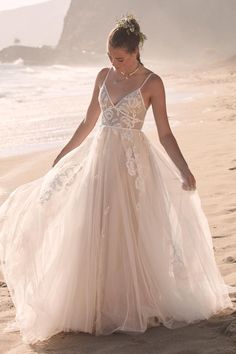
(13, 4)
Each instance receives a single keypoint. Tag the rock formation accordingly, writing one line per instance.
(31, 55)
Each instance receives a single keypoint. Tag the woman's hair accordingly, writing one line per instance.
(127, 35)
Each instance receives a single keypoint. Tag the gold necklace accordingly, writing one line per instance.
(130, 74)
(126, 76)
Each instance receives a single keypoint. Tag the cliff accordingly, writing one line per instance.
(174, 29)
(32, 24)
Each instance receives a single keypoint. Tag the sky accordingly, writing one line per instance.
(13, 4)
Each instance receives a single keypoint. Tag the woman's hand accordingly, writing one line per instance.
(189, 180)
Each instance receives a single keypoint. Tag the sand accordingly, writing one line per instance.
(207, 138)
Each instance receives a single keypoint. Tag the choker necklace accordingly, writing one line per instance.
(126, 76)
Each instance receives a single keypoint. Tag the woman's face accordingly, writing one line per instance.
(121, 59)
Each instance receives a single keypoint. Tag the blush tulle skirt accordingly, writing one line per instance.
(108, 240)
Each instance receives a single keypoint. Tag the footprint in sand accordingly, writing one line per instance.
(229, 259)
(230, 330)
(231, 210)
(219, 236)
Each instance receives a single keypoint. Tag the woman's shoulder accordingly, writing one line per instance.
(154, 79)
(103, 72)
(102, 75)
(153, 76)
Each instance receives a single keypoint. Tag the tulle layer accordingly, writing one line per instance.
(108, 240)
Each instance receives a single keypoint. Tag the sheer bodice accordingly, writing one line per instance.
(129, 112)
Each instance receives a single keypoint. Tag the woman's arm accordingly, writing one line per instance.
(86, 126)
(165, 134)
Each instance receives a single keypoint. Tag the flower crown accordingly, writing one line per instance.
(126, 22)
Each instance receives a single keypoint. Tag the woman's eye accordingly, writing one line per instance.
(119, 60)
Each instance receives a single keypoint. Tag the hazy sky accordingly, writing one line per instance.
(13, 4)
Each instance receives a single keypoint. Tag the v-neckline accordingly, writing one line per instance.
(114, 105)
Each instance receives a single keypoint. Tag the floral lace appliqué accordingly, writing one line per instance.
(125, 113)
(62, 180)
(134, 166)
(128, 114)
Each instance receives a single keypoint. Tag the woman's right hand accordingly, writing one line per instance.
(189, 179)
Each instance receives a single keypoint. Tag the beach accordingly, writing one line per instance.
(203, 122)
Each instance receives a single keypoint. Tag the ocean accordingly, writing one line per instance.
(41, 106)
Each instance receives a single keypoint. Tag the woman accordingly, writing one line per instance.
(113, 237)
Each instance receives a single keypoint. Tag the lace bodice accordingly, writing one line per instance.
(129, 112)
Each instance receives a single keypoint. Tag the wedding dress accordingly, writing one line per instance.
(108, 240)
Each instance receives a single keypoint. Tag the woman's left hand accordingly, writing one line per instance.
(189, 180)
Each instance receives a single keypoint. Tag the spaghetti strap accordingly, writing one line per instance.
(106, 76)
(145, 80)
